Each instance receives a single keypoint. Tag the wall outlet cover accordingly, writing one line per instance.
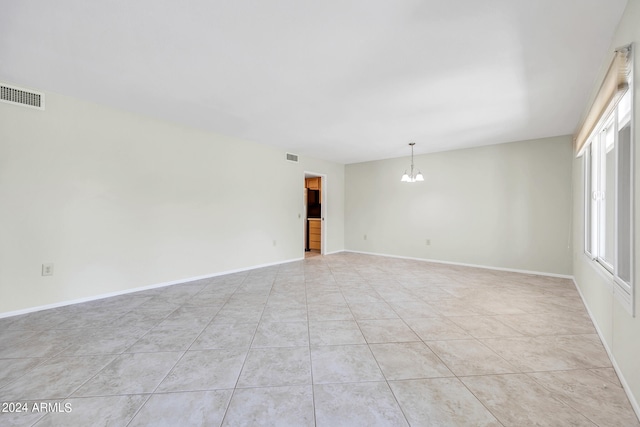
(47, 269)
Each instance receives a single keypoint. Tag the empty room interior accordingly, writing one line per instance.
(319, 213)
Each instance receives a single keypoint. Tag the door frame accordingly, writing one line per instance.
(323, 209)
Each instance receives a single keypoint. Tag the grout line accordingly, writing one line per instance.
(481, 402)
(313, 391)
(235, 387)
(329, 271)
(184, 352)
(395, 398)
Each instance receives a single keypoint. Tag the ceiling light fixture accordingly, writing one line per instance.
(412, 178)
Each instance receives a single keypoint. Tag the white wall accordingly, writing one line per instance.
(620, 331)
(119, 201)
(506, 206)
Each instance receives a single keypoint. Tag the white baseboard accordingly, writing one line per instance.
(142, 288)
(623, 381)
(486, 267)
(333, 252)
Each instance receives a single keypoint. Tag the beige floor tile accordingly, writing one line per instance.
(165, 338)
(430, 295)
(484, 326)
(587, 393)
(373, 311)
(437, 329)
(608, 374)
(556, 305)
(271, 367)
(271, 406)
(145, 319)
(307, 321)
(12, 369)
(410, 360)
(225, 335)
(288, 299)
(327, 312)
(440, 402)
(93, 411)
(273, 313)
(518, 400)
(37, 321)
(566, 323)
(44, 344)
(397, 293)
(186, 409)
(159, 304)
(326, 298)
(386, 330)
(205, 370)
(470, 357)
(357, 404)
(55, 378)
(12, 338)
(25, 416)
(246, 297)
(413, 309)
(335, 332)
(239, 313)
(549, 353)
(356, 296)
(456, 307)
(281, 334)
(104, 341)
(191, 317)
(347, 363)
(587, 350)
(211, 299)
(502, 305)
(130, 373)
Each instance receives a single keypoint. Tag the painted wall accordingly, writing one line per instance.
(505, 206)
(619, 330)
(119, 201)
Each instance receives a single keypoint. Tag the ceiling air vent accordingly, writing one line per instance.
(17, 96)
(292, 157)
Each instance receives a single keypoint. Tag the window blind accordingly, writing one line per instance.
(616, 82)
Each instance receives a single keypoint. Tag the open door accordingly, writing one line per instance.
(314, 209)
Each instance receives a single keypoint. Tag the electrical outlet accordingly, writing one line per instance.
(365, 237)
(47, 269)
(428, 242)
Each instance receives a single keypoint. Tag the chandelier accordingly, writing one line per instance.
(412, 177)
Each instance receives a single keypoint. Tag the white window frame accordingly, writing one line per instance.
(595, 198)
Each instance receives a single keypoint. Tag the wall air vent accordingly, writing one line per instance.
(18, 96)
(292, 157)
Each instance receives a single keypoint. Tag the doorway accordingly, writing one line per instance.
(314, 203)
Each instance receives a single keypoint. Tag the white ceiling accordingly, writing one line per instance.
(347, 80)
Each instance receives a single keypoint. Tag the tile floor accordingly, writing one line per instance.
(339, 340)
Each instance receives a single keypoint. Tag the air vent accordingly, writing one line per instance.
(292, 157)
(17, 96)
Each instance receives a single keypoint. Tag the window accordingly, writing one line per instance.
(605, 139)
(608, 161)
